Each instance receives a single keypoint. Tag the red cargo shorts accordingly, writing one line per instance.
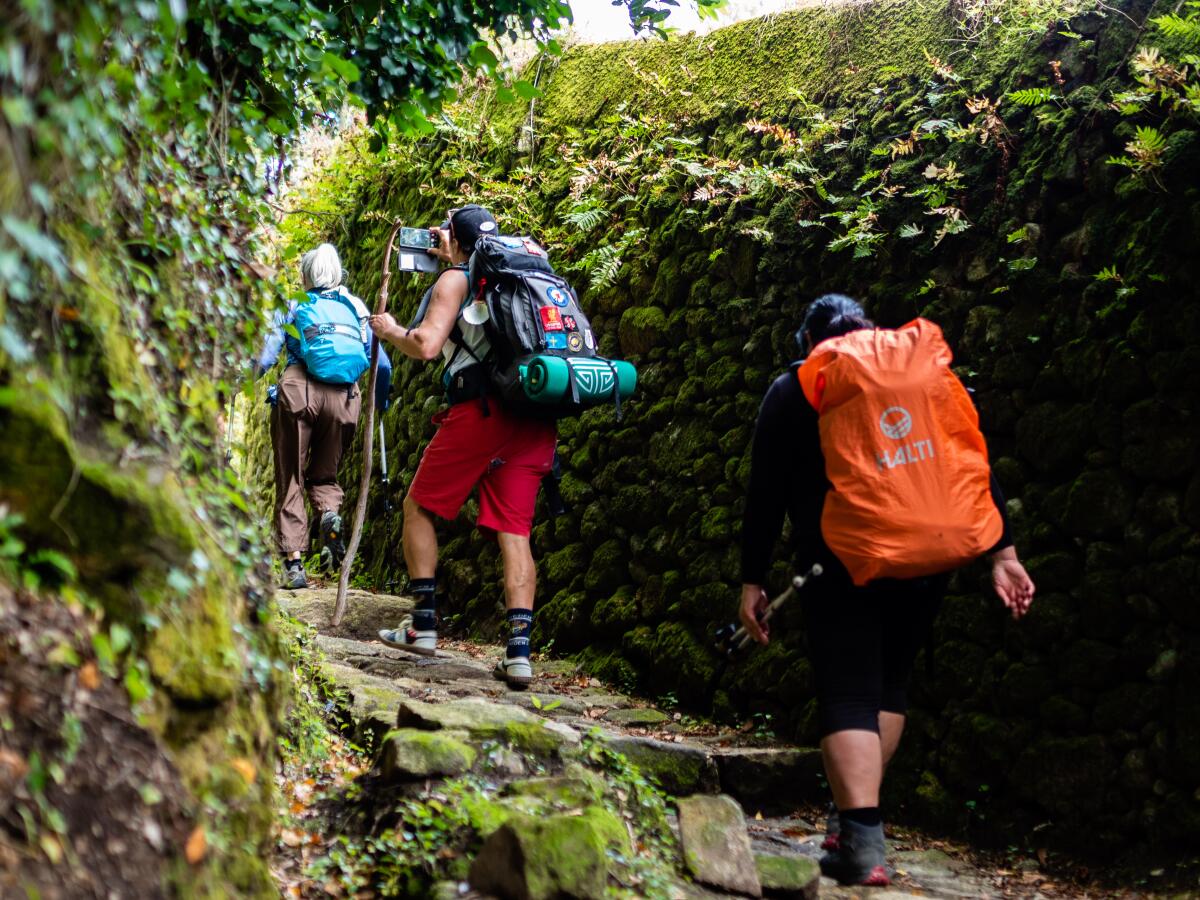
(506, 455)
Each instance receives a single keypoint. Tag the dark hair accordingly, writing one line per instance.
(830, 316)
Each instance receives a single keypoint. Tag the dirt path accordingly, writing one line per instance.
(431, 725)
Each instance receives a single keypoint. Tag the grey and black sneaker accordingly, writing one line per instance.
(833, 828)
(293, 575)
(516, 670)
(859, 857)
(407, 638)
(333, 548)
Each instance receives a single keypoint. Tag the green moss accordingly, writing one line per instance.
(196, 658)
(698, 77)
(411, 754)
(642, 328)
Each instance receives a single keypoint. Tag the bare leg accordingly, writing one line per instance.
(520, 576)
(891, 727)
(854, 764)
(420, 540)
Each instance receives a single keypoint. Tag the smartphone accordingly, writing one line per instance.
(417, 238)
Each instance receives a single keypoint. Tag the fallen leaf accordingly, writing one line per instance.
(758, 816)
(196, 846)
(89, 676)
(51, 847)
(293, 837)
(12, 766)
(246, 769)
(1041, 855)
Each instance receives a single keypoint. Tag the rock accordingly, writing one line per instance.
(374, 701)
(680, 769)
(581, 788)
(506, 763)
(366, 613)
(494, 721)
(716, 848)
(771, 781)
(530, 858)
(408, 754)
(378, 659)
(635, 717)
(788, 876)
(546, 704)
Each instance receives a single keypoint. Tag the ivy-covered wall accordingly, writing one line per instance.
(1016, 171)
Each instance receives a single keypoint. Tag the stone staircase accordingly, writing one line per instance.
(556, 819)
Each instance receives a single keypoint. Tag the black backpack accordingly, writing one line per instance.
(543, 359)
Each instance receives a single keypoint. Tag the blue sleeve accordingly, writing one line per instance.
(272, 345)
(383, 380)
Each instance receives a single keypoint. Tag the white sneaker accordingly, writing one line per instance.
(405, 638)
(517, 671)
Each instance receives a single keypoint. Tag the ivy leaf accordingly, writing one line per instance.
(343, 68)
(36, 243)
(527, 90)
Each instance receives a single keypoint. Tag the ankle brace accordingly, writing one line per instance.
(425, 612)
(520, 622)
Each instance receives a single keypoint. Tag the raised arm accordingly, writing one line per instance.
(425, 341)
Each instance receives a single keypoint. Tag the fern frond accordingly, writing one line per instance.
(1034, 96)
(1179, 28)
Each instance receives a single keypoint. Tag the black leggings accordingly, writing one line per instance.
(862, 643)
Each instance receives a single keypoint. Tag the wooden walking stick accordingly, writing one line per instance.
(360, 508)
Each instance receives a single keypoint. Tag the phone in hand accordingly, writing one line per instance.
(418, 238)
(412, 254)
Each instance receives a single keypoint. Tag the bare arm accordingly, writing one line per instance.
(425, 341)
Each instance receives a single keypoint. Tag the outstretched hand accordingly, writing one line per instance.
(1012, 583)
(754, 604)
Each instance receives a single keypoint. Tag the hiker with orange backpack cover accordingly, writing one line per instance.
(871, 447)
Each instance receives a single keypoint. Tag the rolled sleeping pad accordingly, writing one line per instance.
(548, 379)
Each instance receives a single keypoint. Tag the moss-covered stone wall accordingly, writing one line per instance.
(882, 150)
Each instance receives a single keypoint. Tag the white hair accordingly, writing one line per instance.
(321, 269)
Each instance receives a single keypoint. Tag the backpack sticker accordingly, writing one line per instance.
(552, 319)
(558, 296)
(574, 342)
(556, 341)
(569, 322)
(532, 248)
(589, 339)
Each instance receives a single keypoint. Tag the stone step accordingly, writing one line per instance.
(366, 613)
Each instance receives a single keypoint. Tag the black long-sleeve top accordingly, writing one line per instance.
(787, 477)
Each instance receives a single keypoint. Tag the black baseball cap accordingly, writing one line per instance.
(469, 223)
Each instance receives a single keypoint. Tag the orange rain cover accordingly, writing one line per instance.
(911, 492)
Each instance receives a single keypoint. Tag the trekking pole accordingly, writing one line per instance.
(364, 485)
(732, 639)
(383, 476)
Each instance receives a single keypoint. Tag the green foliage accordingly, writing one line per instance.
(1032, 96)
(1144, 152)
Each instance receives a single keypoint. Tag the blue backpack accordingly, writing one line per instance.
(331, 338)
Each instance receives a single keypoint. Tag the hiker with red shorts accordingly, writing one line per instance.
(871, 448)
(478, 442)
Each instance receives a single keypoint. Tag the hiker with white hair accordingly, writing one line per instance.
(315, 405)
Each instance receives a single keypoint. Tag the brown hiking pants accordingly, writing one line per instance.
(311, 426)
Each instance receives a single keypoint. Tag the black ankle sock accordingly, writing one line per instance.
(293, 563)
(866, 816)
(520, 621)
(425, 612)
